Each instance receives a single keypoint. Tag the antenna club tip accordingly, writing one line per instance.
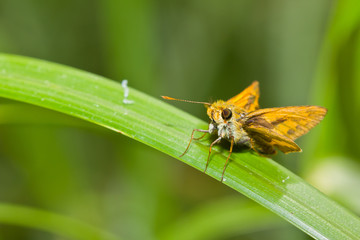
(168, 98)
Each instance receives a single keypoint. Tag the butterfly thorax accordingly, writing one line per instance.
(227, 120)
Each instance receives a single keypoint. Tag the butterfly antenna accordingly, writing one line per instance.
(182, 100)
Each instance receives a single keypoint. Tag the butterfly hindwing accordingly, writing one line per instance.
(264, 137)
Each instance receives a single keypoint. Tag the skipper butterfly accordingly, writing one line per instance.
(240, 121)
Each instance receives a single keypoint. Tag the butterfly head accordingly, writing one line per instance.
(220, 112)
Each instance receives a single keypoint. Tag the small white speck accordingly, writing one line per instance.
(285, 179)
(127, 101)
(3, 71)
(96, 105)
(42, 99)
(126, 92)
(224, 180)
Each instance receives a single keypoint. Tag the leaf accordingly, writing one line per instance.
(54, 223)
(231, 216)
(162, 126)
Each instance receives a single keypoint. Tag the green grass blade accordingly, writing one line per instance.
(50, 222)
(159, 125)
(220, 219)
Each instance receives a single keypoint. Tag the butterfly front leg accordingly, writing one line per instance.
(211, 145)
(226, 163)
(192, 137)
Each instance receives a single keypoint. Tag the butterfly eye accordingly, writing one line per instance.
(226, 114)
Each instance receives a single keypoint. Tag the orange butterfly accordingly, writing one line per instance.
(240, 121)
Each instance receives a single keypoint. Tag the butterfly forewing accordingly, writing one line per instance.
(279, 127)
(291, 122)
(248, 99)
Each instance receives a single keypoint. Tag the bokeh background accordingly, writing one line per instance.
(301, 52)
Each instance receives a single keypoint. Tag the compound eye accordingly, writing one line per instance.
(226, 114)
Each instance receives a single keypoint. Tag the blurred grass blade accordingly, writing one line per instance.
(340, 44)
(50, 222)
(221, 219)
(167, 129)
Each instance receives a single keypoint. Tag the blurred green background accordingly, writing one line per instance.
(301, 52)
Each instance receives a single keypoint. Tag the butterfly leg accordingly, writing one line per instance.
(192, 137)
(198, 138)
(211, 145)
(252, 143)
(226, 163)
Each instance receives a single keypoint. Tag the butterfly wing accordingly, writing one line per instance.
(279, 127)
(248, 99)
(265, 139)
